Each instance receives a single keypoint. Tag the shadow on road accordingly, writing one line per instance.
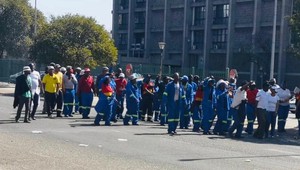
(239, 157)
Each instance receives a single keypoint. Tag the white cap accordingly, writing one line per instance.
(122, 75)
(50, 68)
(26, 68)
(81, 72)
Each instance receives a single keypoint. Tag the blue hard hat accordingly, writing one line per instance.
(184, 78)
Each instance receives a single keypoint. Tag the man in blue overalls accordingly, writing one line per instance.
(188, 94)
(133, 101)
(163, 110)
(207, 104)
(222, 107)
(173, 99)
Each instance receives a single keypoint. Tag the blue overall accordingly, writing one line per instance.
(86, 103)
(185, 115)
(174, 107)
(104, 109)
(132, 104)
(283, 112)
(197, 115)
(250, 109)
(163, 109)
(68, 101)
(222, 111)
(207, 106)
(115, 104)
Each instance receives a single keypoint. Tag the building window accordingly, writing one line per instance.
(199, 0)
(137, 48)
(123, 39)
(199, 16)
(198, 40)
(221, 14)
(123, 21)
(139, 21)
(140, 3)
(124, 4)
(219, 39)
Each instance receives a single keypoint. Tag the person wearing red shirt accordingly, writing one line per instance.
(196, 109)
(251, 97)
(120, 94)
(85, 91)
(147, 100)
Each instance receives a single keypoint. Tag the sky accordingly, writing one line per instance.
(98, 9)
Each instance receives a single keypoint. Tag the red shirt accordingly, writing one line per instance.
(86, 84)
(199, 95)
(251, 96)
(107, 90)
(148, 87)
(120, 85)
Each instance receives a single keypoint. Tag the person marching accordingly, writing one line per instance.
(59, 97)
(147, 99)
(133, 101)
(284, 95)
(272, 108)
(77, 75)
(23, 94)
(188, 94)
(51, 86)
(222, 107)
(69, 82)
(85, 91)
(120, 94)
(161, 90)
(36, 89)
(250, 109)
(208, 104)
(156, 98)
(237, 110)
(173, 99)
(196, 109)
(106, 101)
(261, 107)
(231, 92)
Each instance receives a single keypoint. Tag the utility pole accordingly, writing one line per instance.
(273, 41)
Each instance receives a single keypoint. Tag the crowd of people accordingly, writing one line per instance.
(175, 101)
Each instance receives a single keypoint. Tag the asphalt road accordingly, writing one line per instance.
(73, 143)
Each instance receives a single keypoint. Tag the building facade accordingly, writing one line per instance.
(211, 35)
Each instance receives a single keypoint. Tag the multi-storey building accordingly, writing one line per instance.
(206, 34)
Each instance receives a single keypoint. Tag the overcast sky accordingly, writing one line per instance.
(98, 9)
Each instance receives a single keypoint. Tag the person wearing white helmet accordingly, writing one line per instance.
(222, 107)
(133, 101)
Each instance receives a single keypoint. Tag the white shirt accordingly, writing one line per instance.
(262, 98)
(284, 95)
(238, 97)
(35, 78)
(176, 96)
(272, 102)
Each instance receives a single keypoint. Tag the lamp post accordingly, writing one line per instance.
(161, 47)
(35, 18)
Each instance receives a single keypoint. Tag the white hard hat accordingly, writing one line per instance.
(122, 75)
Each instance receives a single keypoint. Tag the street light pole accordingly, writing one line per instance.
(273, 41)
(161, 47)
(35, 18)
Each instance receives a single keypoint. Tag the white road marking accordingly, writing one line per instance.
(122, 140)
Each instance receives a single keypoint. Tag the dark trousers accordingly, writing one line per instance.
(50, 102)
(147, 107)
(23, 101)
(59, 103)
(261, 118)
(120, 108)
(271, 120)
(238, 124)
(35, 104)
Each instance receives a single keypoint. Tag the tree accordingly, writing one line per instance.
(74, 40)
(16, 27)
(295, 26)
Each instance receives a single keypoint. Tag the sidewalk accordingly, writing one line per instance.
(7, 89)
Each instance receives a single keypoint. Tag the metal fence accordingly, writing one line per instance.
(9, 67)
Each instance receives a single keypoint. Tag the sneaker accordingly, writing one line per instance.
(26, 121)
(33, 118)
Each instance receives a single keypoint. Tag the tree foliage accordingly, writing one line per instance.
(295, 26)
(74, 40)
(16, 27)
